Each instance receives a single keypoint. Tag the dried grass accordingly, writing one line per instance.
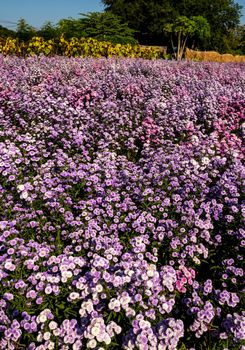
(212, 56)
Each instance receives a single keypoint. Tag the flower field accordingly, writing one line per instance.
(121, 204)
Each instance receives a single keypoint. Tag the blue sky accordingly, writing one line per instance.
(36, 12)
(242, 2)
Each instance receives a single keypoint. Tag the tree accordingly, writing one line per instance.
(5, 32)
(184, 28)
(222, 16)
(146, 17)
(235, 41)
(69, 27)
(152, 15)
(98, 25)
(48, 31)
(24, 31)
(202, 31)
(106, 26)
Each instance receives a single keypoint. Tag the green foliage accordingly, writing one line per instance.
(146, 17)
(222, 16)
(69, 28)
(24, 31)
(235, 41)
(106, 26)
(184, 28)
(97, 25)
(202, 27)
(5, 32)
(153, 15)
(48, 31)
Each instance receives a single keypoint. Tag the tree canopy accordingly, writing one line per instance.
(24, 30)
(183, 28)
(98, 25)
(48, 31)
(146, 17)
(152, 15)
(106, 26)
(5, 32)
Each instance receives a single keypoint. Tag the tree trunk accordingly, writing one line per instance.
(179, 44)
(172, 43)
(183, 48)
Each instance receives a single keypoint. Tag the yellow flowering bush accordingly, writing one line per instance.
(76, 47)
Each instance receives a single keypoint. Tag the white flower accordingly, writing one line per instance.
(48, 290)
(196, 260)
(114, 303)
(92, 344)
(95, 331)
(151, 270)
(149, 284)
(51, 345)
(96, 321)
(111, 305)
(42, 253)
(130, 273)
(100, 337)
(76, 347)
(74, 295)
(82, 312)
(63, 268)
(195, 163)
(194, 139)
(46, 311)
(56, 332)
(144, 324)
(169, 332)
(99, 288)
(41, 318)
(89, 306)
(107, 339)
(67, 274)
(162, 104)
(21, 187)
(205, 160)
(130, 312)
(165, 306)
(125, 300)
(79, 285)
(144, 277)
(118, 329)
(150, 273)
(46, 335)
(53, 325)
(24, 195)
(39, 337)
(9, 266)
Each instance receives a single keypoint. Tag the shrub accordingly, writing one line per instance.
(76, 47)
